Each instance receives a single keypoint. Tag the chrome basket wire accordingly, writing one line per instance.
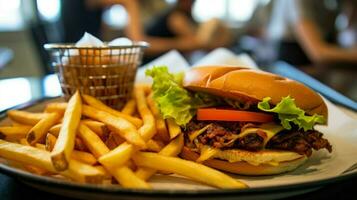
(107, 73)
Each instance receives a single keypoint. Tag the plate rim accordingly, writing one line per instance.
(115, 190)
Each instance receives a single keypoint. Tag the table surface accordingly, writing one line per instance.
(13, 189)
(6, 55)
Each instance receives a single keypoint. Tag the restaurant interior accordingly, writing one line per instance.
(318, 38)
(312, 41)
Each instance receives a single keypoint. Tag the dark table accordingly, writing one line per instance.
(13, 189)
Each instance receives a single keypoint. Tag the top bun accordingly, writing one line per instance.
(245, 84)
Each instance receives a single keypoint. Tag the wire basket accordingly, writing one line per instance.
(107, 73)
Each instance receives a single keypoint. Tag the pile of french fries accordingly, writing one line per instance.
(88, 142)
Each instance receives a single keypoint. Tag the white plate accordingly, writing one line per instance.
(168, 187)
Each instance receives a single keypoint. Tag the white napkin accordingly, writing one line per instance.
(223, 56)
(172, 59)
(88, 40)
(120, 41)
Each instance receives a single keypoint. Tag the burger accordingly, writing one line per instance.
(241, 120)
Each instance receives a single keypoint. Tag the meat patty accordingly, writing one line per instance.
(299, 141)
(224, 138)
(225, 135)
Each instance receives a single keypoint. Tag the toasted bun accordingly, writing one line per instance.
(252, 85)
(244, 168)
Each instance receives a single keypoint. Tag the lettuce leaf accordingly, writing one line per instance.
(289, 113)
(172, 99)
(177, 103)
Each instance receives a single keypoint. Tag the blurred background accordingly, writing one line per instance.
(317, 36)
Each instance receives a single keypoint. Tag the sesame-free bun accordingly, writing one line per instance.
(245, 84)
(244, 168)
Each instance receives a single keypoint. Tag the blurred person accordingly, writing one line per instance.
(175, 28)
(307, 33)
(80, 16)
(346, 23)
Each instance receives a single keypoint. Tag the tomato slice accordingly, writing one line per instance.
(232, 115)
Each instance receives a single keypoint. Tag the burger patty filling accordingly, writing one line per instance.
(225, 135)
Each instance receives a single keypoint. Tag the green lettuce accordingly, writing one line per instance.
(172, 99)
(177, 103)
(289, 113)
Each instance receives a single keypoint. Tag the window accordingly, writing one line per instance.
(52, 87)
(116, 16)
(235, 12)
(10, 15)
(49, 9)
(9, 98)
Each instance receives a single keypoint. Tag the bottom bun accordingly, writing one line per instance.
(245, 168)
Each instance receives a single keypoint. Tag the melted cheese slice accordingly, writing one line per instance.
(269, 129)
(207, 152)
(196, 133)
(269, 157)
(255, 158)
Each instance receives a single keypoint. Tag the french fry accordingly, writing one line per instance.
(114, 140)
(154, 145)
(79, 145)
(121, 154)
(130, 107)
(63, 148)
(172, 149)
(110, 142)
(106, 173)
(33, 156)
(17, 124)
(40, 146)
(54, 130)
(95, 125)
(118, 156)
(23, 141)
(50, 142)
(124, 175)
(13, 133)
(25, 117)
(81, 156)
(148, 130)
(98, 127)
(36, 170)
(92, 141)
(190, 169)
(83, 173)
(123, 127)
(56, 107)
(127, 178)
(174, 129)
(143, 86)
(40, 129)
(32, 168)
(162, 132)
(101, 106)
(118, 140)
